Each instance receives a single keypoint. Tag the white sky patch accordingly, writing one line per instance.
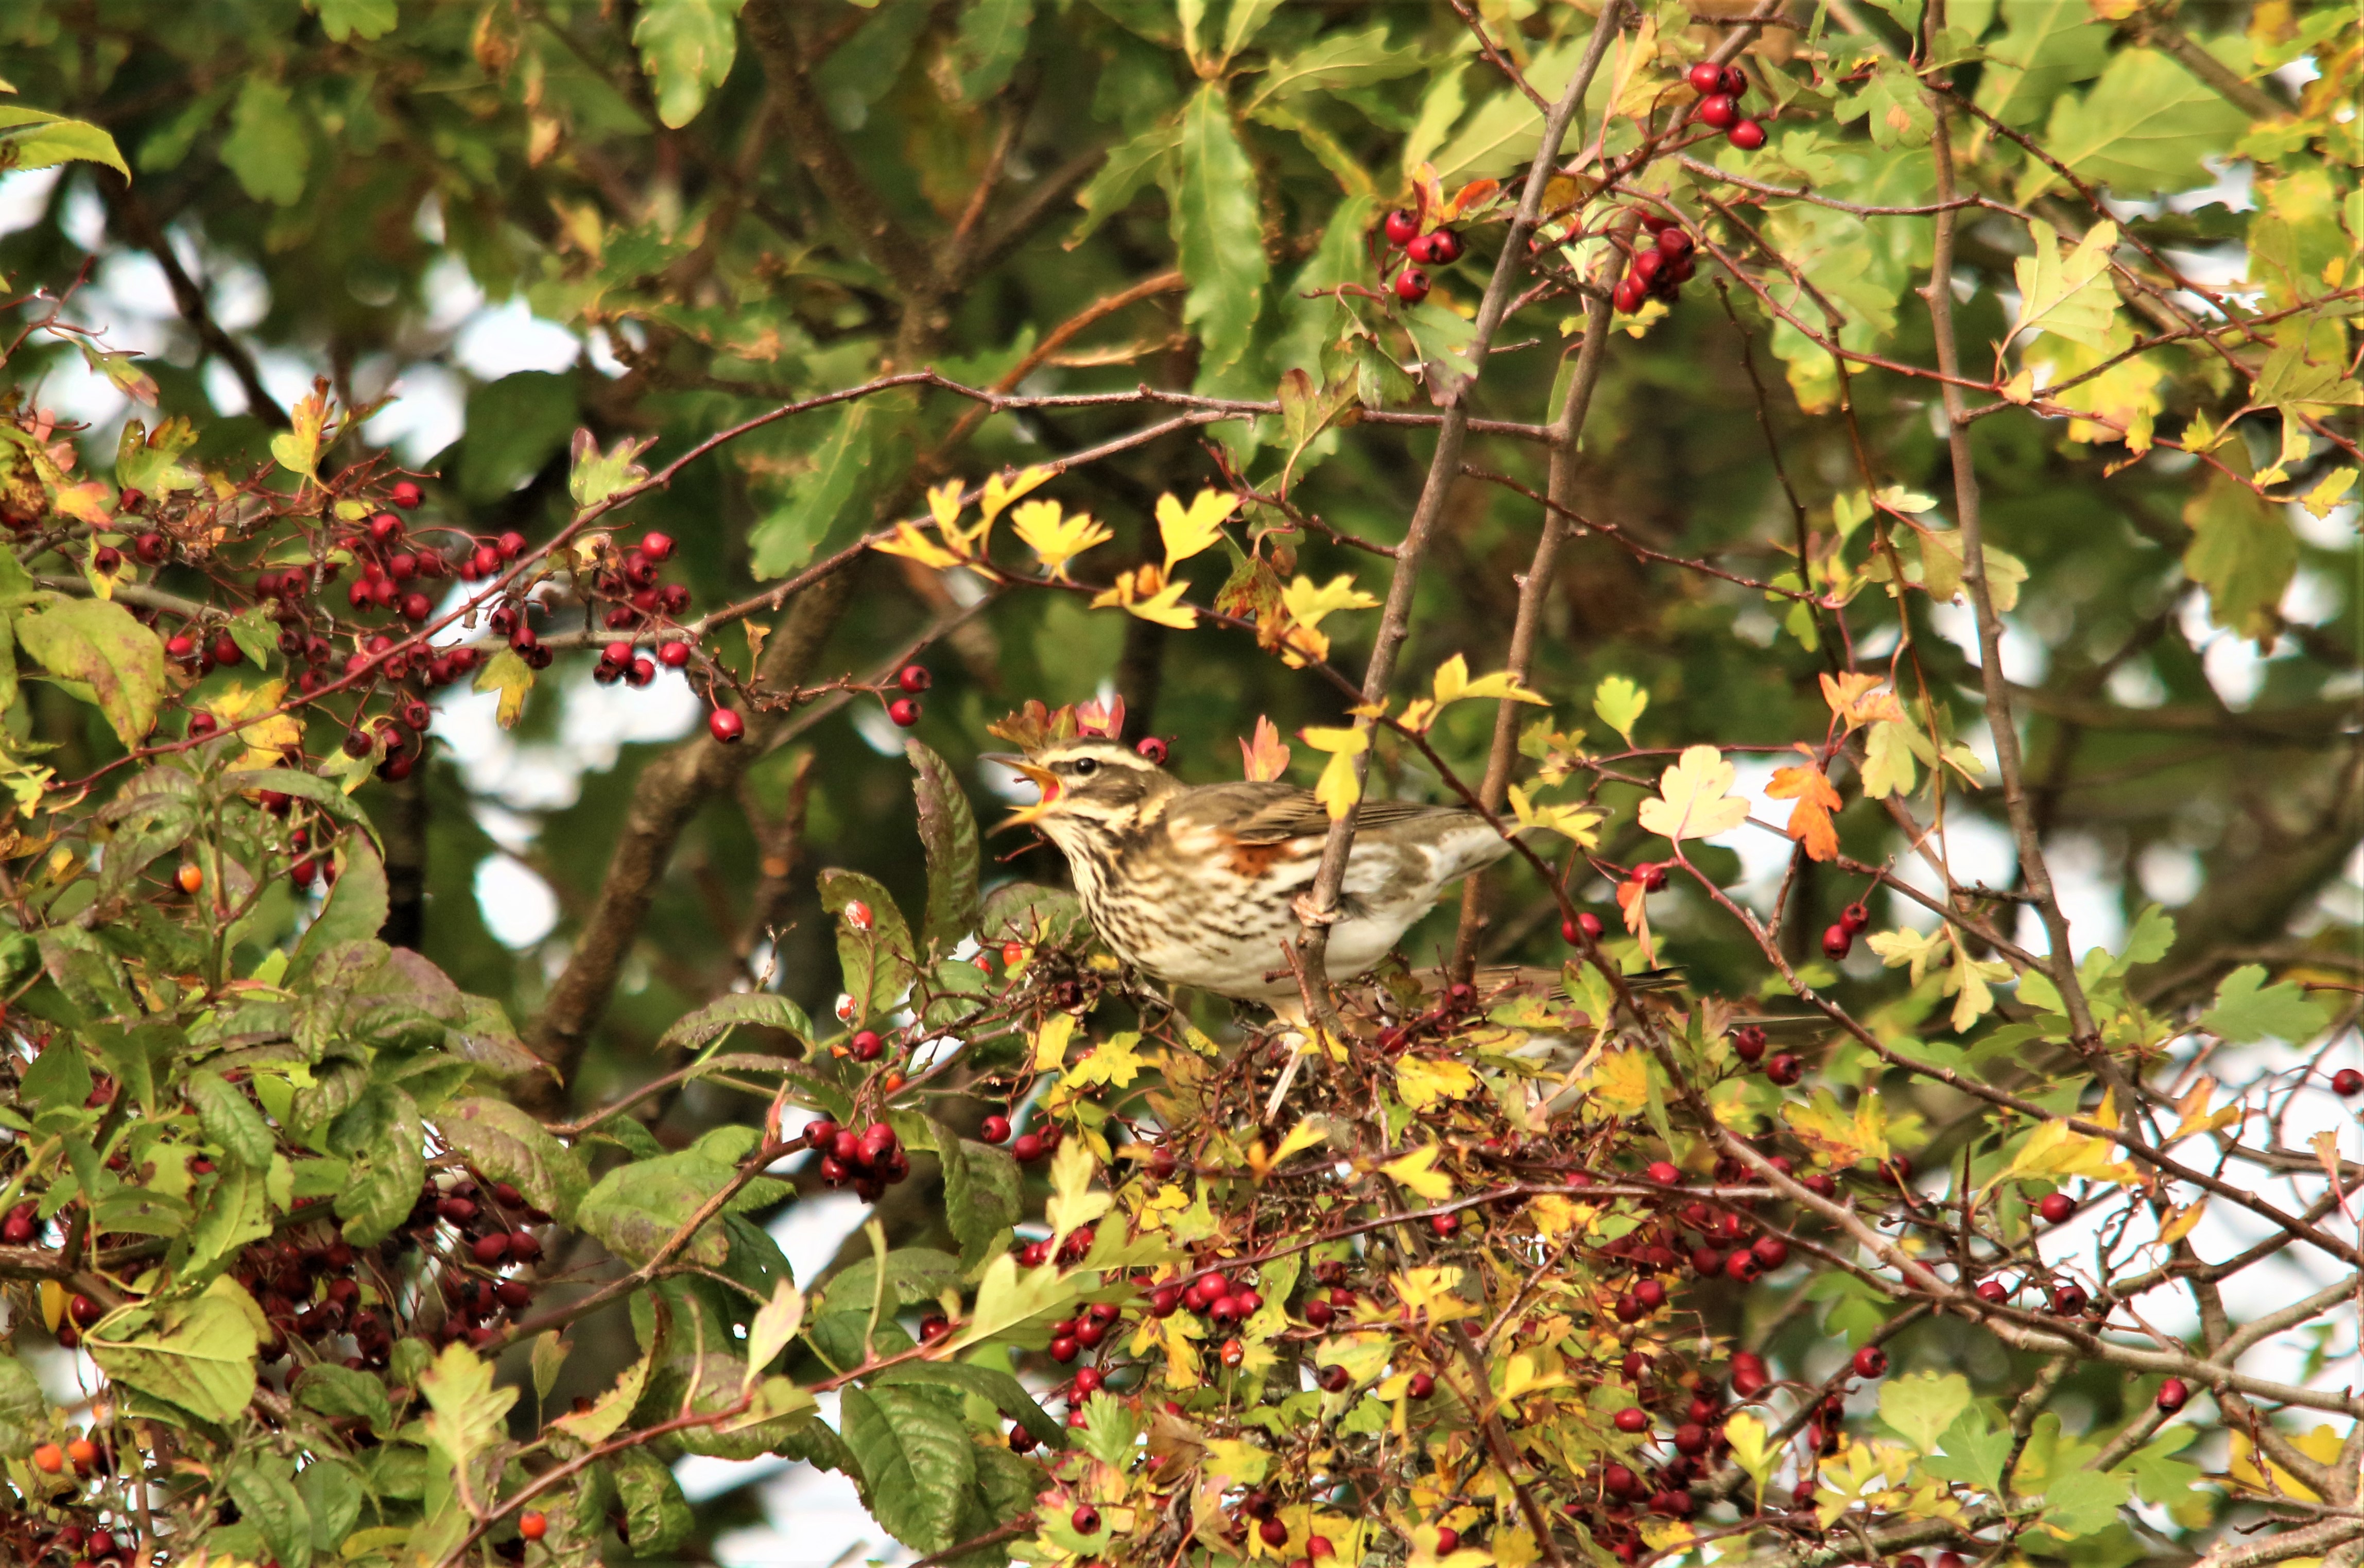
(518, 908)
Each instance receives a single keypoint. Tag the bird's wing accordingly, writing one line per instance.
(1273, 813)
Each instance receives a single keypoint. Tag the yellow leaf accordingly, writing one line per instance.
(1453, 684)
(1308, 605)
(911, 543)
(1841, 1138)
(1692, 801)
(1421, 1081)
(267, 740)
(1146, 594)
(1054, 537)
(1000, 491)
(1188, 532)
(1555, 1215)
(2180, 1223)
(1338, 789)
(2321, 1445)
(1752, 1448)
(1413, 1172)
(944, 504)
(1569, 822)
(1073, 1202)
(2055, 1149)
(1620, 1083)
(1115, 1062)
(1308, 1132)
(1852, 698)
(1266, 757)
(1051, 1042)
(1902, 947)
(512, 677)
(1428, 1289)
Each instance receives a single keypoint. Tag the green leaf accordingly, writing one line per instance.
(948, 833)
(824, 504)
(99, 643)
(2142, 130)
(687, 48)
(1621, 704)
(342, 19)
(270, 144)
(382, 1182)
(1127, 169)
(991, 41)
(2085, 1502)
(335, 1390)
(234, 1211)
(656, 1515)
(465, 1412)
(355, 911)
(744, 1009)
(1342, 60)
(2067, 293)
(1504, 132)
(510, 1145)
(913, 1274)
(917, 1465)
(879, 964)
(1005, 1393)
(2242, 551)
(196, 1355)
(984, 1195)
(58, 1078)
(1922, 1406)
(229, 1119)
(1218, 229)
(2048, 46)
(32, 138)
(1973, 1450)
(333, 1492)
(636, 1208)
(515, 426)
(24, 1410)
(1006, 1298)
(594, 475)
(263, 1487)
(2246, 1010)
(1892, 107)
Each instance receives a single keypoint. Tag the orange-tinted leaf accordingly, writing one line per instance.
(1475, 194)
(1810, 819)
(1266, 757)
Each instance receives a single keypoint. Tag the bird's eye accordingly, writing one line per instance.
(1086, 767)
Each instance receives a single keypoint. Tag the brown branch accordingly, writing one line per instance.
(2155, 29)
(1445, 468)
(189, 299)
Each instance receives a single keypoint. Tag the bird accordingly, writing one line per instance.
(1197, 885)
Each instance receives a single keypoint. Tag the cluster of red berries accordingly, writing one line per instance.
(23, 1224)
(1721, 88)
(1028, 1147)
(1838, 940)
(86, 1546)
(620, 660)
(489, 1234)
(1223, 1300)
(1434, 248)
(2067, 1297)
(911, 680)
(1660, 270)
(1073, 1249)
(1071, 1336)
(869, 1161)
(306, 1284)
(632, 584)
(1748, 1043)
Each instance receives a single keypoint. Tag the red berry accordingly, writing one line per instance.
(1664, 1172)
(2347, 1083)
(1838, 942)
(417, 607)
(1274, 1531)
(1438, 248)
(904, 711)
(1652, 875)
(1633, 1418)
(1720, 112)
(1734, 81)
(1691, 1437)
(1674, 243)
(50, 1457)
(657, 546)
(1749, 1044)
(1747, 135)
(1086, 1518)
(1412, 285)
(1444, 1224)
(1870, 1362)
(1064, 1349)
(996, 1129)
(1786, 1070)
(2068, 1300)
(1318, 1312)
(1993, 1291)
(2172, 1394)
(511, 545)
(1401, 227)
(725, 725)
(1707, 1261)
(1449, 1540)
(867, 1045)
(533, 1527)
(384, 529)
(1646, 264)
(2056, 1207)
(152, 549)
(673, 656)
(1629, 297)
(914, 679)
(1027, 1147)
(1151, 747)
(1856, 918)
(491, 1249)
(1705, 77)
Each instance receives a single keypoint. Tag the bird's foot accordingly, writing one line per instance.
(1303, 907)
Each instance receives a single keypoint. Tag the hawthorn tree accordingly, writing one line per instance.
(1863, 484)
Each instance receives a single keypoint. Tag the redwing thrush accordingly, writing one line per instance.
(1192, 885)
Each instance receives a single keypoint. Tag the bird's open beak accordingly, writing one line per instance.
(1042, 779)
